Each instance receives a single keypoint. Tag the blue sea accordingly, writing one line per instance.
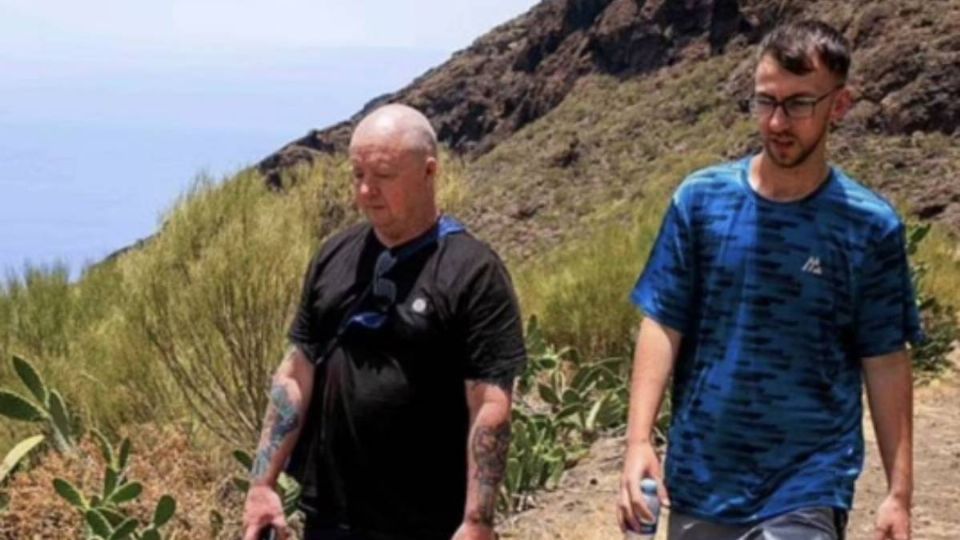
(93, 153)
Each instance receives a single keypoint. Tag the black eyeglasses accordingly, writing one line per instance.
(796, 107)
(383, 290)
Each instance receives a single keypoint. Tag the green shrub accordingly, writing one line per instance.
(37, 311)
(939, 320)
(539, 454)
(580, 292)
(210, 297)
(562, 405)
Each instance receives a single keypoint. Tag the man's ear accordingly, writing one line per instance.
(432, 167)
(841, 104)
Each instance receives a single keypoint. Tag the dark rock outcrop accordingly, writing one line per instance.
(906, 75)
(522, 69)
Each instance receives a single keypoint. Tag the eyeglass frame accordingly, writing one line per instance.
(778, 104)
(383, 289)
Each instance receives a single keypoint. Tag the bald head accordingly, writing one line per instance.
(393, 153)
(397, 124)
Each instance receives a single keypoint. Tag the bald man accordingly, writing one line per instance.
(392, 405)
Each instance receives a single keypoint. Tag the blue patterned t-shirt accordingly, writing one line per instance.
(778, 303)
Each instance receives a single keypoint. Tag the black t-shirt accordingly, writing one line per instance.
(389, 416)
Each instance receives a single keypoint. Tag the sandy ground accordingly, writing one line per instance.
(583, 507)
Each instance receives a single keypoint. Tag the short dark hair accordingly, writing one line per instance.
(793, 45)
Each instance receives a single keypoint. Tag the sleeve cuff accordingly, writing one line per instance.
(655, 312)
(915, 338)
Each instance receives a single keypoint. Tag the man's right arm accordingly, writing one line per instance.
(290, 393)
(656, 350)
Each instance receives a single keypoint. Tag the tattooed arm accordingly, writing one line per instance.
(487, 445)
(289, 397)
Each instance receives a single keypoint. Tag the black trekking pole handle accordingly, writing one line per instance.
(267, 533)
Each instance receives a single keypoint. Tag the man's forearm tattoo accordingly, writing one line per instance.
(282, 419)
(490, 446)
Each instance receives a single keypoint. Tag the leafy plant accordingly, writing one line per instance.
(540, 451)
(16, 455)
(103, 513)
(563, 404)
(46, 407)
(541, 357)
(593, 397)
(13, 458)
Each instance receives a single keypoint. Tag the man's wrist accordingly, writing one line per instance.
(478, 519)
(477, 529)
(635, 442)
(904, 496)
(263, 483)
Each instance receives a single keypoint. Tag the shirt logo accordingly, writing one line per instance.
(813, 266)
(419, 305)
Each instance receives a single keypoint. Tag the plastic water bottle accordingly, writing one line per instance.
(648, 488)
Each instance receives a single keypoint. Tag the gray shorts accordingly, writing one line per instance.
(804, 524)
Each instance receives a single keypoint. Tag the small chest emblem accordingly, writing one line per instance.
(812, 266)
(419, 305)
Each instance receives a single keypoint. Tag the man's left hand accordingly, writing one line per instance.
(893, 520)
(474, 531)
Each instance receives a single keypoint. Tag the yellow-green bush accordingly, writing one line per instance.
(38, 310)
(208, 299)
(580, 293)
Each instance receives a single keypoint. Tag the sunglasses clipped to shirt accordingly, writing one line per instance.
(382, 289)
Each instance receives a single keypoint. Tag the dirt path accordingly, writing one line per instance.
(936, 512)
(583, 507)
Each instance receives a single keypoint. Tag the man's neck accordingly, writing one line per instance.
(413, 230)
(782, 184)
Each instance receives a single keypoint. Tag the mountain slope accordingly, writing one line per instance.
(520, 81)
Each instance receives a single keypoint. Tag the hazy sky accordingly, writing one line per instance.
(108, 109)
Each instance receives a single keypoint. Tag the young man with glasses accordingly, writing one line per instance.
(393, 404)
(776, 287)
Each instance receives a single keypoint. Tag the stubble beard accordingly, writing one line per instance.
(802, 157)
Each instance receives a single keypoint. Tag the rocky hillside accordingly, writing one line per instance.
(907, 71)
